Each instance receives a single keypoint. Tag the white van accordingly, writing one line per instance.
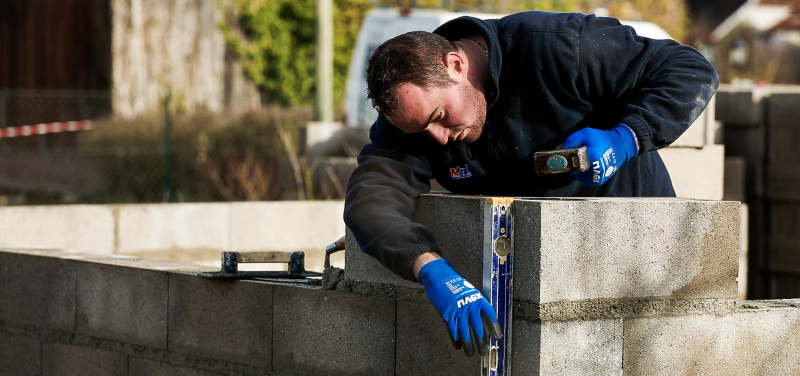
(383, 24)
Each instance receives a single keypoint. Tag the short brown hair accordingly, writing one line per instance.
(414, 57)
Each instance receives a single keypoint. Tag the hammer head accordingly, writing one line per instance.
(561, 161)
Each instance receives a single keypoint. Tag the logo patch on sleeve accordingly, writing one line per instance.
(460, 172)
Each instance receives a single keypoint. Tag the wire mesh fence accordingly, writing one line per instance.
(27, 106)
(164, 156)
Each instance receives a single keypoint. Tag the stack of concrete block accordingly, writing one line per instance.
(761, 128)
(610, 286)
(696, 160)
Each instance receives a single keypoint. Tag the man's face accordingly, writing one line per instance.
(444, 113)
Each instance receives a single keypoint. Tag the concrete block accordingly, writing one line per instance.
(307, 226)
(744, 253)
(696, 173)
(123, 304)
(423, 344)
(319, 138)
(782, 148)
(20, 355)
(749, 143)
(784, 254)
(329, 176)
(783, 285)
(618, 248)
(740, 106)
(63, 359)
(140, 366)
(784, 107)
(759, 340)
(37, 290)
(567, 347)
(695, 136)
(782, 183)
(457, 223)
(733, 187)
(81, 227)
(334, 333)
(207, 317)
(785, 218)
(174, 231)
(361, 267)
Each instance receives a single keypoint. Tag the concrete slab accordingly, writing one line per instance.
(753, 341)
(173, 229)
(141, 366)
(123, 304)
(616, 248)
(63, 359)
(567, 347)
(37, 290)
(332, 333)
(207, 317)
(696, 173)
(423, 344)
(81, 227)
(20, 355)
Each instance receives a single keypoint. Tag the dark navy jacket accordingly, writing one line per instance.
(552, 74)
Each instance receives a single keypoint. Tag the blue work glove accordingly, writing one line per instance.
(468, 315)
(607, 150)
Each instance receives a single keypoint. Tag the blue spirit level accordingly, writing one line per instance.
(498, 272)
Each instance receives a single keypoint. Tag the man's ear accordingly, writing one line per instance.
(455, 63)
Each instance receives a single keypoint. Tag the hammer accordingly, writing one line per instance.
(561, 161)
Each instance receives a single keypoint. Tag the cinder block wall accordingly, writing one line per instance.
(605, 286)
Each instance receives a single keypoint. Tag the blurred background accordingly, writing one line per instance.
(146, 101)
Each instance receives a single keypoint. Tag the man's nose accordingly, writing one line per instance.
(439, 133)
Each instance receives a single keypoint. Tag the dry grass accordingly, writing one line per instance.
(215, 158)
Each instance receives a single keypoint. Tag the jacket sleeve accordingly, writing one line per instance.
(664, 85)
(381, 196)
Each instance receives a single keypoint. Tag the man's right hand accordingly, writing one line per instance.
(468, 315)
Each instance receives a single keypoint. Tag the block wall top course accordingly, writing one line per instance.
(625, 248)
(578, 249)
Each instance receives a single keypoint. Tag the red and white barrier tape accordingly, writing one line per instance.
(29, 130)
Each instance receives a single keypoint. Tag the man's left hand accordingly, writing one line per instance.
(607, 151)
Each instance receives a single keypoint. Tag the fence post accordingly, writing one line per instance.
(167, 149)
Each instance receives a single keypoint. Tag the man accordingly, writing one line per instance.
(469, 105)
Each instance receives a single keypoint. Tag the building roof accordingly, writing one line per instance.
(762, 15)
(791, 23)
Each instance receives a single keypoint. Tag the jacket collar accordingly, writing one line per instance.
(466, 26)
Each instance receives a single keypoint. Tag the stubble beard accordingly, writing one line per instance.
(476, 100)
